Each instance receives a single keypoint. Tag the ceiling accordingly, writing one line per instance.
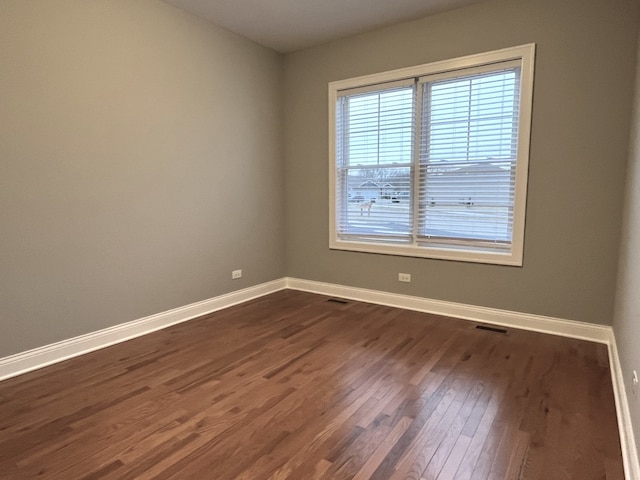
(289, 25)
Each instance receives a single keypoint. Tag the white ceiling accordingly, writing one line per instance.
(289, 25)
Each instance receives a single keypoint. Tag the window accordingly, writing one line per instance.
(432, 161)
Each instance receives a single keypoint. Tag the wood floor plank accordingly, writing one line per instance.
(381, 451)
(293, 386)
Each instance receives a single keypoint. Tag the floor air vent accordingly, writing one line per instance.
(338, 300)
(491, 329)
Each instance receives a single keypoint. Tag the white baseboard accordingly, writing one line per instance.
(627, 438)
(41, 357)
(57, 352)
(525, 321)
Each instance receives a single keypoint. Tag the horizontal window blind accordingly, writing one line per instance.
(432, 160)
(468, 152)
(375, 142)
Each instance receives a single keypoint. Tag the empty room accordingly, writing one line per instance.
(319, 240)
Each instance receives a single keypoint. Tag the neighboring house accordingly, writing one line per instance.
(387, 191)
(368, 191)
(488, 183)
(481, 183)
(373, 191)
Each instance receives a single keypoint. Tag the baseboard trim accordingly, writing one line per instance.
(57, 352)
(24, 362)
(494, 316)
(49, 354)
(525, 321)
(625, 427)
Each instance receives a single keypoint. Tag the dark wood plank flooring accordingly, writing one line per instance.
(292, 386)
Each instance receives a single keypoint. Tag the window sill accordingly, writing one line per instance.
(460, 254)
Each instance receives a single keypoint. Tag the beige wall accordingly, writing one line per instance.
(124, 126)
(626, 322)
(140, 163)
(583, 89)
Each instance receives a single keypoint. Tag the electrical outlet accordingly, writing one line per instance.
(236, 274)
(634, 379)
(404, 277)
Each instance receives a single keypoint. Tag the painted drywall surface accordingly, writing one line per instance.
(583, 89)
(626, 323)
(140, 163)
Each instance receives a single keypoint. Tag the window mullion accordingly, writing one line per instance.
(343, 167)
(469, 108)
(416, 163)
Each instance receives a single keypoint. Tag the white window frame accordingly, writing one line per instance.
(525, 54)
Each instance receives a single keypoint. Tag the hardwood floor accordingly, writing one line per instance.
(294, 386)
